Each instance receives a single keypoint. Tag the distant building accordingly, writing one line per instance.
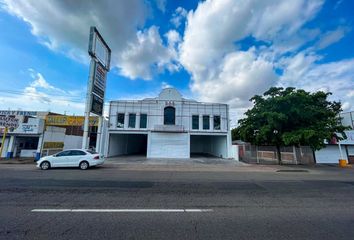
(168, 126)
(38, 133)
(348, 119)
(343, 149)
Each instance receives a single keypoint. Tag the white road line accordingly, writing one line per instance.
(124, 210)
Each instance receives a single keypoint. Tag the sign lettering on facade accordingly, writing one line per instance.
(54, 145)
(53, 120)
(18, 113)
(10, 122)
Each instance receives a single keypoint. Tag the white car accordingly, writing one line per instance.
(71, 158)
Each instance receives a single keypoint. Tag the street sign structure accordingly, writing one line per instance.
(100, 64)
(99, 83)
(9, 122)
(97, 105)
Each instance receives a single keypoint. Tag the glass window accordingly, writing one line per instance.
(63, 154)
(206, 122)
(216, 122)
(169, 116)
(143, 120)
(76, 153)
(195, 122)
(120, 120)
(132, 119)
(91, 151)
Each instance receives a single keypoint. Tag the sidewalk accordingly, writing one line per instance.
(199, 164)
(16, 160)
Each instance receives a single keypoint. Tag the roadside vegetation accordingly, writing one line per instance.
(290, 117)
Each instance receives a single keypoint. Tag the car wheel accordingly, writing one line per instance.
(45, 165)
(84, 165)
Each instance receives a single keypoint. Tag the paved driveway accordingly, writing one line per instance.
(197, 160)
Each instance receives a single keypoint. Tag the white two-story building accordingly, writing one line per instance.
(168, 126)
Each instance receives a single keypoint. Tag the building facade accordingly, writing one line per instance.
(339, 150)
(37, 133)
(168, 126)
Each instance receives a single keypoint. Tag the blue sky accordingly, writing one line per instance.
(215, 51)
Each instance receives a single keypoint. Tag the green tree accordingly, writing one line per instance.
(287, 117)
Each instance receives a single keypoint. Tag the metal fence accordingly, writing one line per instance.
(268, 154)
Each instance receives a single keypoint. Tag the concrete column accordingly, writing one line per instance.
(137, 121)
(148, 152)
(211, 122)
(126, 120)
(229, 144)
(39, 147)
(201, 122)
(10, 148)
(99, 134)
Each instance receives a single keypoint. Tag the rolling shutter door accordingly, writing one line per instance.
(169, 145)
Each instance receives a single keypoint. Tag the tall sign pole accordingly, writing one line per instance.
(100, 64)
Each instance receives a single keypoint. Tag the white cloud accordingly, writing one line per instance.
(221, 72)
(165, 85)
(39, 95)
(147, 54)
(173, 37)
(304, 71)
(161, 5)
(332, 37)
(238, 76)
(63, 26)
(178, 16)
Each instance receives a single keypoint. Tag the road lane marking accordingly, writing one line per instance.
(125, 210)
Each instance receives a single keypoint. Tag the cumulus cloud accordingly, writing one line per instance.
(148, 54)
(63, 26)
(304, 71)
(220, 71)
(161, 5)
(39, 95)
(332, 37)
(178, 16)
(236, 79)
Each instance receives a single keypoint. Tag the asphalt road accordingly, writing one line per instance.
(240, 205)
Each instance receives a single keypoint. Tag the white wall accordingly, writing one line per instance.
(329, 154)
(72, 142)
(28, 153)
(54, 134)
(155, 111)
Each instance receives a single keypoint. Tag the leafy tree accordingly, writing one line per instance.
(287, 117)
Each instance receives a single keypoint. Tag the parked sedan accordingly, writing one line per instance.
(71, 158)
